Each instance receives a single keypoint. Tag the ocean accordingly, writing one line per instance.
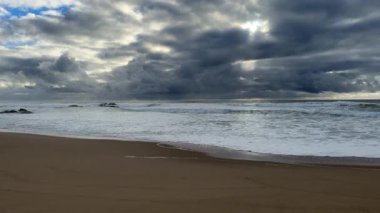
(311, 128)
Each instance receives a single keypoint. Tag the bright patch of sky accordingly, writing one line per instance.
(37, 3)
(19, 9)
(3, 12)
(18, 12)
(15, 44)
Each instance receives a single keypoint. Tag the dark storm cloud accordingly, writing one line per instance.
(200, 49)
(316, 75)
(312, 47)
(200, 65)
(62, 74)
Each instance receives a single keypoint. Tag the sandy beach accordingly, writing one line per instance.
(54, 174)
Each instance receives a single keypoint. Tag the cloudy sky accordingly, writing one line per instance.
(123, 49)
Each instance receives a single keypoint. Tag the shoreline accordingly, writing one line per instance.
(232, 154)
(59, 175)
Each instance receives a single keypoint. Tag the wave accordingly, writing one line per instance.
(370, 106)
(330, 108)
(331, 128)
(296, 108)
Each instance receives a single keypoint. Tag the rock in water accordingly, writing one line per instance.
(20, 111)
(111, 104)
(9, 111)
(24, 111)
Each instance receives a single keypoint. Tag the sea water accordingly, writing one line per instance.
(315, 128)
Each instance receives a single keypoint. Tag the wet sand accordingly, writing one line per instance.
(52, 174)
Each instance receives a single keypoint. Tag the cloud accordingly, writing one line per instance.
(52, 75)
(37, 4)
(185, 49)
(3, 12)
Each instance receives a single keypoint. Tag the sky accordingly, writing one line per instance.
(184, 49)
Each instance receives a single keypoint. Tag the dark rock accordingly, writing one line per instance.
(9, 111)
(111, 104)
(20, 111)
(24, 111)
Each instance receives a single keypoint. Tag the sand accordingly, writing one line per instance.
(52, 174)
